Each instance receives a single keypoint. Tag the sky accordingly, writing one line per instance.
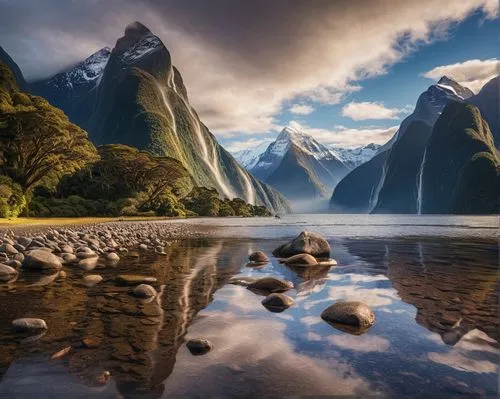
(347, 72)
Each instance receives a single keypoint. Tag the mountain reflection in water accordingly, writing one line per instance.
(437, 329)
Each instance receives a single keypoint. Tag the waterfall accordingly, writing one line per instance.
(374, 198)
(212, 164)
(420, 178)
(249, 189)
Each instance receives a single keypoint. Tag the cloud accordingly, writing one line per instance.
(343, 137)
(360, 111)
(241, 145)
(473, 74)
(301, 109)
(364, 343)
(241, 61)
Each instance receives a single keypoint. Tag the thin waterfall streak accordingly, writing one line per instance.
(420, 181)
(250, 191)
(374, 201)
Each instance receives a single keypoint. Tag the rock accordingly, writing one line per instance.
(134, 279)
(7, 273)
(61, 353)
(258, 257)
(199, 346)
(41, 260)
(112, 257)
(271, 284)
(68, 249)
(19, 257)
(92, 279)
(91, 343)
(24, 241)
(243, 280)
(86, 254)
(277, 302)
(14, 263)
(88, 263)
(69, 258)
(62, 274)
(143, 247)
(300, 260)
(353, 314)
(305, 243)
(103, 378)
(8, 249)
(29, 324)
(144, 291)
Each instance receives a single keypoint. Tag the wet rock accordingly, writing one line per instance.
(91, 343)
(86, 254)
(306, 242)
(271, 284)
(68, 249)
(19, 257)
(103, 378)
(300, 260)
(143, 247)
(92, 280)
(112, 257)
(8, 249)
(61, 353)
(88, 263)
(357, 316)
(62, 274)
(277, 302)
(24, 241)
(14, 263)
(258, 257)
(29, 324)
(243, 280)
(7, 273)
(134, 279)
(199, 346)
(144, 291)
(41, 260)
(69, 258)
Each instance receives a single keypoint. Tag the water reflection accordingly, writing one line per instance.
(437, 329)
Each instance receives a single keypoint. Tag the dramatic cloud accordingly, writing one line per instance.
(341, 136)
(241, 60)
(301, 109)
(472, 74)
(253, 142)
(360, 111)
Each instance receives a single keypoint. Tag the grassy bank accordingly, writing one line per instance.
(26, 222)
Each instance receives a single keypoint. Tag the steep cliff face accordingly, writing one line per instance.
(355, 192)
(139, 99)
(6, 59)
(399, 193)
(461, 167)
(488, 102)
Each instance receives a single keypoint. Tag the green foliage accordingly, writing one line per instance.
(12, 198)
(37, 141)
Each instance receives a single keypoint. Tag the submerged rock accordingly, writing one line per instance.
(61, 353)
(199, 346)
(305, 243)
(42, 260)
(277, 302)
(29, 324)
(258, 257)
(357, 316)
(271, 284)
(134, 279)
(92, 279)
(300, 260)
(144, 291)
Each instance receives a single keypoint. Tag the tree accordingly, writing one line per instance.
(37, 141)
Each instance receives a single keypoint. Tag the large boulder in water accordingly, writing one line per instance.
(270, 284)
(305, 243)
(277, 302)
(350, 316)
(42, 260)
(300, 260)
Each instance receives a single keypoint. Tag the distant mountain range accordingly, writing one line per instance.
(298, 166)
(134, 95)
(396, 179)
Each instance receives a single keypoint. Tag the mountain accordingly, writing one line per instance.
(355, 192)
(248, 158)
(429, 107)
(298, 166)
(488, 100)
(353, 157)
(138, 98)
(70, 89)
(399, 192)
(461, 167)
(6, 59)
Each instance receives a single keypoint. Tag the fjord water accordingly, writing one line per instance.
(432, 282)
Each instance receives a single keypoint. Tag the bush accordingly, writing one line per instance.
(12, 199)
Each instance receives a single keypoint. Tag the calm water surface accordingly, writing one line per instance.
(432, 282)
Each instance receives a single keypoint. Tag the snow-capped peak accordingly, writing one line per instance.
(248, 158)
(146, 45)
(454, 87)
(353, 157)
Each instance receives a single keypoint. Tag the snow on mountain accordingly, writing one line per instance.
(353, 157)
(143, 47)
(248, 158)
(87, 71)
